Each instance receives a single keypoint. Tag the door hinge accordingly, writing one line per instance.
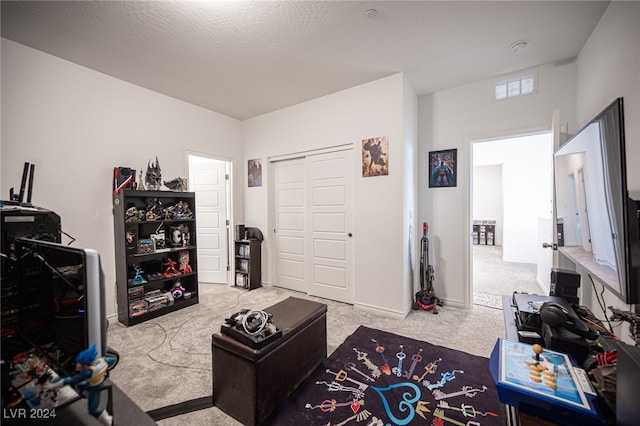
(228, 268)
(226, 176)
(227, 222)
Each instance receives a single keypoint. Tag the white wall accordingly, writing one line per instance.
(451, 119)
(76, 124)
(488, 198)
(411, 258)
(608, 66)
(347, 117)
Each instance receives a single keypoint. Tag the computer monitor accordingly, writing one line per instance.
(60, 301)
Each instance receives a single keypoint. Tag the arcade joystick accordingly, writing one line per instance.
(537, 349)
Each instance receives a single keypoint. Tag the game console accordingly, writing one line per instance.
(551, 321)
(528, 309)
(544, 383)
(557, 316)
(251, 328)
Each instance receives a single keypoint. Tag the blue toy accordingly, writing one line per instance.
(92, 371)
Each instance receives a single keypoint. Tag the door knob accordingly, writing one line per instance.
(350, 235)
(553, 246)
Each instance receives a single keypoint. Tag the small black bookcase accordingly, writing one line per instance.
(248, 269)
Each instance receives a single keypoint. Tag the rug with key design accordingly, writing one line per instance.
(376, 378)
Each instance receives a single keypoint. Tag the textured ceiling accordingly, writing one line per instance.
(246, 58)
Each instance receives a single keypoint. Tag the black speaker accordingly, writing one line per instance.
(565, 284)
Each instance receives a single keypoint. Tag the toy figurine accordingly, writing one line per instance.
(154, 210)
(138, 278)
(177, 184)
(153, 178)
(179, 235)
(177, 291)
(180, 210)
(171, 270)
(184, 267)
(131, 215)
(92, 371)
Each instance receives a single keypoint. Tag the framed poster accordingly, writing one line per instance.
(375, 157)
(255, 172)
(443, 168)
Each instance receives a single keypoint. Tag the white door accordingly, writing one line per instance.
(313, 225)
(290, 218)
(207, 178)
(330, 226)
(547, 241)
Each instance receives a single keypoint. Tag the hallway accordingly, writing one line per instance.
(493, 278)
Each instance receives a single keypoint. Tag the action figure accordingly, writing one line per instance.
(138, 278)
(170, 270)
(153, 178)
(92, 372)
(177, 184)
(184, 267)
(177, 291)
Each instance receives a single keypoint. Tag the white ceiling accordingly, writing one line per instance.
(246, 58)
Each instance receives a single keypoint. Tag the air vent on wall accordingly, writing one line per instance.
(516, 85)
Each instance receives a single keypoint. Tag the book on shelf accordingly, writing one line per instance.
(244, 265)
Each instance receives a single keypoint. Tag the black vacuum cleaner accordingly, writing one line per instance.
(426, 298)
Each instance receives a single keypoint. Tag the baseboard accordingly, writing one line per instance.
(181, 408)
(379, 310)
(453, 303)
(542, 286)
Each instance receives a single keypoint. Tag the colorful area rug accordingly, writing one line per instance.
(377, 378)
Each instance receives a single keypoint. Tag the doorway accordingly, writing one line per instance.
(210, 179)
(511, 196)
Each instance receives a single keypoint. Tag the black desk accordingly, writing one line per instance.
(125, 412)
(509, 312)
(519, 418)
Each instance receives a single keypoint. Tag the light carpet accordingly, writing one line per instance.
(168, 360)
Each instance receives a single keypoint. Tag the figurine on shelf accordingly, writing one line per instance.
(141, 183)
(179, 236)
(170, 270)
(131, 215)
(183, 258)
(154, 210)
(138, 278)
(177, 184)
(159, 238)
(177, 291)
(92, 371)
(153, 178)
(180, 210)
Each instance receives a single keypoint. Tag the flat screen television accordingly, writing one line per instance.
(599, 220)
(60, 302)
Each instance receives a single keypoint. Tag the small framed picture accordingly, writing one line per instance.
(443, 168)
(375, 156)
(255, 172)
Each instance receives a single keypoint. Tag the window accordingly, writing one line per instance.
(516, 85)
